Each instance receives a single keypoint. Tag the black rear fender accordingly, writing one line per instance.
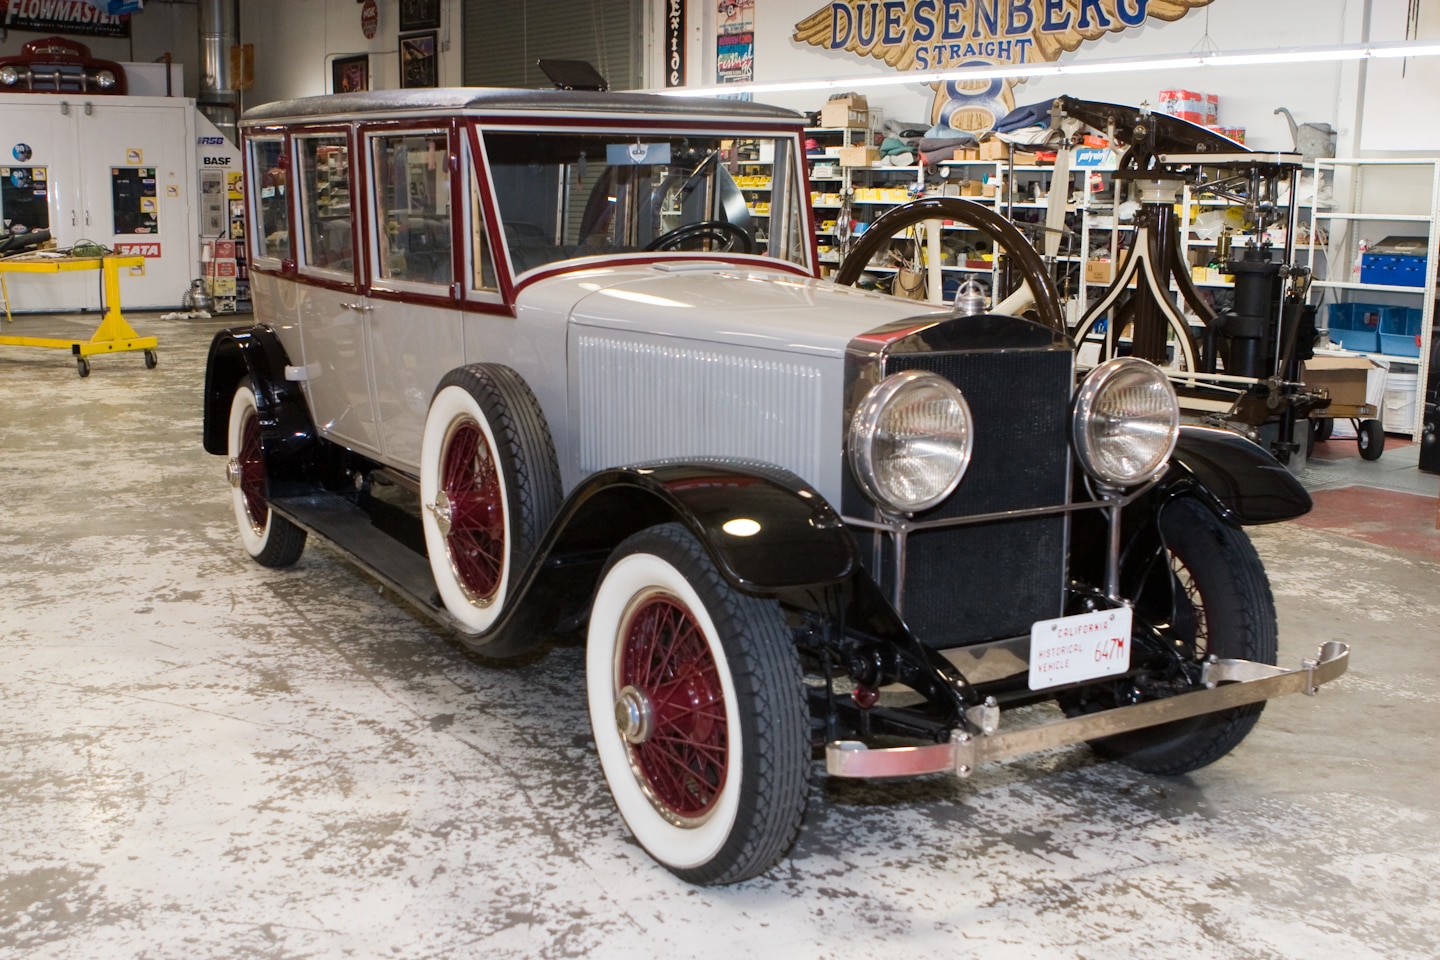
(286, 433)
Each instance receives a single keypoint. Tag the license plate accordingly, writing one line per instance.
(1086, 646)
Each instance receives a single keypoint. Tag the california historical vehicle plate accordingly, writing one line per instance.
(1083, 647)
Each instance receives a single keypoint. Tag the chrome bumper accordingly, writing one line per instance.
(1229, 683)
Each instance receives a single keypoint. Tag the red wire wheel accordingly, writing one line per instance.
(251, 463)
(475, 539)
(673, 700)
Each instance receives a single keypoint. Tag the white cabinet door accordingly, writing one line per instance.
(38, 146)
(137, 176)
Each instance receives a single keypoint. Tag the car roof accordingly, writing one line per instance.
(449, 100)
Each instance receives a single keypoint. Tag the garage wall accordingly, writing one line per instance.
(296, 40)
(1326, 93)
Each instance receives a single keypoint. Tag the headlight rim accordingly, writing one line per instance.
(1091, 388)
(864, 425)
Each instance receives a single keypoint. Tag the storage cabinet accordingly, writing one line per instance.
(118, 171)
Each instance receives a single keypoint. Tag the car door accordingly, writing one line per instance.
(332, 313)
(412, 309)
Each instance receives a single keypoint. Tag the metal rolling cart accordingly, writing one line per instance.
(114, 335)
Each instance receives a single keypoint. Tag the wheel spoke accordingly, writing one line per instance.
(252, 471)
(476, 541)
(684, 761)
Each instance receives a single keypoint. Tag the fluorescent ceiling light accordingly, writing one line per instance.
(1186, 61)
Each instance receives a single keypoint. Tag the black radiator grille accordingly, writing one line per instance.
(969, 584)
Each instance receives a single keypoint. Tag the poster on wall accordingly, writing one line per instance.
(734, 41)
(72, 18)
(417, 60)
(350, 74)
(930, 35)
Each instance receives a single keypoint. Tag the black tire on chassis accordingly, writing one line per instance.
(270, 539)
(1370, 438)
(489, 487)
(1224, 608)
(1323, 427)
(698, 710)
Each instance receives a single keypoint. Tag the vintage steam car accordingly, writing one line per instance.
(531, 359)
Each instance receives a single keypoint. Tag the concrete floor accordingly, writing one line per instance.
(202, 758)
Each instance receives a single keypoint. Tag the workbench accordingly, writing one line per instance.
(114, 335)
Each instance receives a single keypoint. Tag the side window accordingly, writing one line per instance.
(412, 207)
(270, 208)
(482, 267)
(325, 215)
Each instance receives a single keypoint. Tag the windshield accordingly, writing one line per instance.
(567, 195)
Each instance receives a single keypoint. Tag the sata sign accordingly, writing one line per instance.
(150, 251)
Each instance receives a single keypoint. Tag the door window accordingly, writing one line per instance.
(270, 213)
(412, 207)
(326, 217)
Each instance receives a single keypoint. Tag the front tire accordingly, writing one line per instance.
(698, 710)
(269, 538)
(1222, 607)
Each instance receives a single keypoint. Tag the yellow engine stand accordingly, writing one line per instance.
(114, 335)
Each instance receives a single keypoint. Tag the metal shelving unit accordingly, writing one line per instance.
(1386, 195)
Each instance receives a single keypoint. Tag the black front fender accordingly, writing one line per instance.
(765, 528)
(1241, 481)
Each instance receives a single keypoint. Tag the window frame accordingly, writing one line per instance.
(301, 205)
(369, 140)
(260, 257)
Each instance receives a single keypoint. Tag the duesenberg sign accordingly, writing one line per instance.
(946, 34)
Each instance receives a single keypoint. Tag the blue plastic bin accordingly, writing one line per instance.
(1393, 269)
(1400, 331)
(1356, 326)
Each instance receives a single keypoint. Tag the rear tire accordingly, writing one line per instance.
(269, 538)
(1222, 607)
(698, 710)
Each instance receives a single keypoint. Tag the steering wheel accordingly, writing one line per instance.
(1037, 292)
(719, 230)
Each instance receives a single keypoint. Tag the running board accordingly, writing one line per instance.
(1230, 683)
(385, 558)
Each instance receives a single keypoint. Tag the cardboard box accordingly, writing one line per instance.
(848, 111)
(1344, 377)
(859, 156)
(1027, 158)
(971, 188)
(1098, 271)
(993, 149)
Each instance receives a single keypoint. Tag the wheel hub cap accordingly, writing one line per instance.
(634, 716)
(443, 514)
(232, 472)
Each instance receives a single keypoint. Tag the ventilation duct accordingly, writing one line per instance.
(219, 28)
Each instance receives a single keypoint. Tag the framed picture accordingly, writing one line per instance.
(418, 66)
(350, 74)
(419, 15)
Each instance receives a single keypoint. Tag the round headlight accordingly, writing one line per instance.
(910, 441)
(9, 76)
(1126, 421)
(104, 79)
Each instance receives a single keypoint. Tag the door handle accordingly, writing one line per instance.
(362, 307)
